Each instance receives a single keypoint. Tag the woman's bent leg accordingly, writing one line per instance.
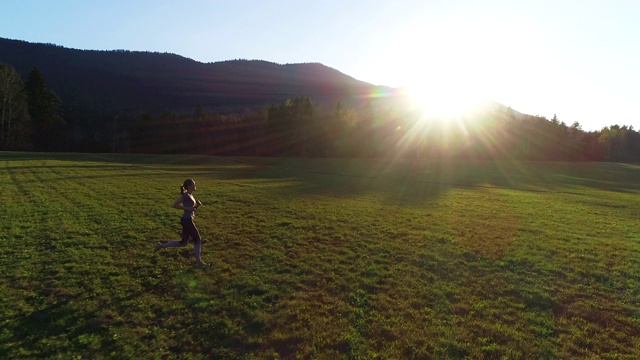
(173, 244)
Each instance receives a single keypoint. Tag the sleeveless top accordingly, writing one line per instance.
(188, 201)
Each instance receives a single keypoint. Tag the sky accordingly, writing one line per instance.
(577, 60)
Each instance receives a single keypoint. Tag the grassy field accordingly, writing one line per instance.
(354, 259)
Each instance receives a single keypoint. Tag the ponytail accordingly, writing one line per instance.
(185, 185)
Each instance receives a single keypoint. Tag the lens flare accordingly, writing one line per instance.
(444, 103)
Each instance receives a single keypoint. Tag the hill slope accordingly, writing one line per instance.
(130, 81)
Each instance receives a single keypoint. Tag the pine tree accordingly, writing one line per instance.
(46, 114)
(14, 117)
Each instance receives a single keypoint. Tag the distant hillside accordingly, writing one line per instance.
(89, 80)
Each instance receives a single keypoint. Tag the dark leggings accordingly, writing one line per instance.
(189, 230)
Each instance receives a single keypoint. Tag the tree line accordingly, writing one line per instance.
(33, 118)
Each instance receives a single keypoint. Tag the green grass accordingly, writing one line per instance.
(355, 259)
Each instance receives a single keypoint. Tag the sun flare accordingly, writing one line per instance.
(448, 68)
(443, 104)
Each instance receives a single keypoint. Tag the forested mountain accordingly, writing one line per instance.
(88, 80)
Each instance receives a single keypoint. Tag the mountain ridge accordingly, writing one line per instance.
(122, 80)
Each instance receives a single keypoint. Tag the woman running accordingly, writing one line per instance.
(189, 204)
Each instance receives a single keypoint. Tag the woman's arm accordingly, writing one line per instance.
(178, 202)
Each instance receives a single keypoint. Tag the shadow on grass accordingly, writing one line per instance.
(397, 180)
(406, 182)
(51, 321)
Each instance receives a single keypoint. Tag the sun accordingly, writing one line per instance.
(449, 66)
(444, 101)
(449, 83)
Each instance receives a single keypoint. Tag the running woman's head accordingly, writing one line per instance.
(188, 186)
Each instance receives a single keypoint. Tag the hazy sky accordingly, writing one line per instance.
(577, 59)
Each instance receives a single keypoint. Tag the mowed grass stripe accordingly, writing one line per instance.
(564, 264)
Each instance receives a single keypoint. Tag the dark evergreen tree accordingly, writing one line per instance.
(46, 114)
(304, 124)
(14, 116)
(143, 134)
